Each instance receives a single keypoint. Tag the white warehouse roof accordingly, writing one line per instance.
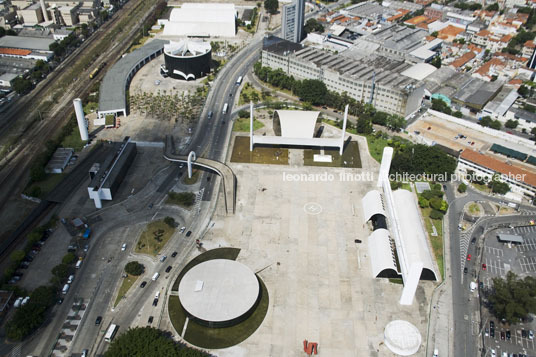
(372, 204)
(381, 255)
(414, 244)
(297, 123)
(205, 19)
(419, 71)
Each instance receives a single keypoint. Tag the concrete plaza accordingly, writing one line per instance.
(300, 237)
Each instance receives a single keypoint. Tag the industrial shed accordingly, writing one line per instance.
(202, 20)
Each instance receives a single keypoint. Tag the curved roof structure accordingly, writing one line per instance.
(380, 251)
(112, 92)
(219, 290)
(187, 48)
(402, 338)
(372, 204)
(297, 123)
(413, 240)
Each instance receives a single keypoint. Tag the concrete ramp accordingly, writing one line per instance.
(227, 175)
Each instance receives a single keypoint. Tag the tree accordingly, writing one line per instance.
(312, 25)
(418, 159)
(441, 106)
(462, 188)
(438, 204)
(511, 124)
(17, 256)
(21, 85)
(458, 114)
(434, 214)
(533, 131)
(313, 91)
(61, 271)
(513, 298)
(271, 6)
(169, 221)
(436, 62)
(134, 268)
(68, 258)
(523, 91)
(395, 122)
(499, 187)
(435, 33)
(364, 126)
(493, 7)
(149, 342)
(423, 202)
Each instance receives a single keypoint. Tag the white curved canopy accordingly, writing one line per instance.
(381, 256)
(413, 240)
(372, 204)
(297, 123)
(187, 48)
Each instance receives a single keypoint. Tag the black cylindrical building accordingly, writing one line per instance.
(187, 60)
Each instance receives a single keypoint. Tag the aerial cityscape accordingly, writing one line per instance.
(267, 178)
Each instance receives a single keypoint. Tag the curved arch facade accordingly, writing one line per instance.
(382, 255)
(373, 204)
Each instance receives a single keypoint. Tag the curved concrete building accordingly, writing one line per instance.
(187, 60)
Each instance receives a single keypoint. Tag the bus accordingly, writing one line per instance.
(239, 80)
(110, 334)
(225, 106)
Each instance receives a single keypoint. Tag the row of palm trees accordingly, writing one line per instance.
(164, 106)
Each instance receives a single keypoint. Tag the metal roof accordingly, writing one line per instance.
(27, 43)
(381, 252)
(510, 238)
(112, 94)
(372, 204)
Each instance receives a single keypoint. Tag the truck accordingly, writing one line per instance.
(225, 106)
(87, 233)
(473, 286)
(239, 80)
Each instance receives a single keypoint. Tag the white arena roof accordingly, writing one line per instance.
(297, 123)
(206, 19)
(219, 290)
(402, 338)
(380, 251)
(419, 71)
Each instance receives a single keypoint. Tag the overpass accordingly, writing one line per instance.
(227, 175)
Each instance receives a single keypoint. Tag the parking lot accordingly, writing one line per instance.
(499, 258)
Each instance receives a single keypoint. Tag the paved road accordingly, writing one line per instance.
(465, 304)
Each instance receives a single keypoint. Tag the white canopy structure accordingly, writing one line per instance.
(206, 19)
(382, 257)
(296, 128)
(373, 204)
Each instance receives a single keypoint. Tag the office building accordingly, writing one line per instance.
(292, 21)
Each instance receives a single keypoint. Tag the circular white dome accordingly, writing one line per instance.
(219, 290)
(402, 338)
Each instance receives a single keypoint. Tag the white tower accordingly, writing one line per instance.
(82, 125)
(44, 9)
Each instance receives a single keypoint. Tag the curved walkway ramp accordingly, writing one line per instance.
(113, 88)
(227, 175)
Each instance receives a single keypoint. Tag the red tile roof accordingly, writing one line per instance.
(14, 52)
(463, 60)
(484, 69)
(499, 166)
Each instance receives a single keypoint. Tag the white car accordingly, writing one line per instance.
(182, 229)
(124, 247)
(493, 353)
(531, 334)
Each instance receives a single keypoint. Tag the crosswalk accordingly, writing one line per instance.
(16, 351)
(465, 241)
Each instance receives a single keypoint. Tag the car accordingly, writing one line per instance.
(98, 320)
(493, 353)
(459, 227)
(210, 114)
(230, 94)
(508, 335)
(157, 82)
(465, 270)
(86, 247)
(163, 257)
(150, 321)
(486, 332)
(504, 354)
(60, 301)
(150, 206)
(473, 241)
(155, 302)
(531, 334)
(524, 333)
(189, 233)
(84, 352)
(18, 273)
(168, 269)
(182, 229)
(492, 332)
(484, 266)
(174, 254)
(124, 247)
(143, 283)
(481, 285)
(468, 257)
(491, 324)
(24, 265)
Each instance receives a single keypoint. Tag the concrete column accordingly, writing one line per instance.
(81, 119)
(191, 157)
(250, 126)
(345, 119)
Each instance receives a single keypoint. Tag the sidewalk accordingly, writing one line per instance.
(441, 327)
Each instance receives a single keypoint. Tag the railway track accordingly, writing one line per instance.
(13, 175)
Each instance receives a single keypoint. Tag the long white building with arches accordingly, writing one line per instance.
(397, 245)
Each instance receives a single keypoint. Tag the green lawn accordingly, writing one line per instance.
(376, 146)
(154, 238)
(73, 140)
(183, 199)
(350, 157)
(482, 188)
(190, 181)
(437, 241)
(46, 185)
(406, 186)
(242, 124)
(125, 286)
(259, 155)
(474, 208)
